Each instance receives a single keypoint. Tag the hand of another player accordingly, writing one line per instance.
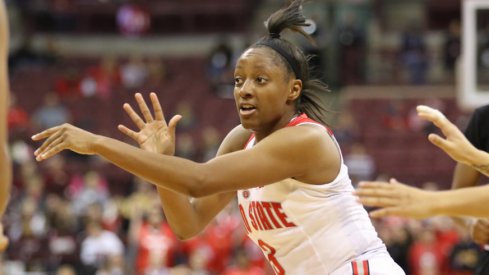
(454, 144)
(65, 136)
(154, 134)
(479, 231)
(394, 199)
(3, 240)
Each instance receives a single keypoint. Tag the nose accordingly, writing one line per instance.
(245, 91)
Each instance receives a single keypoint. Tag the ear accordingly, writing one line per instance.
(295, 90)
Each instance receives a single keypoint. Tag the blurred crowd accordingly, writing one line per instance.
(80, 215)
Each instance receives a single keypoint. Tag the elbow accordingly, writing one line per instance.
(185, 237)
(202, 186)
(184, 234)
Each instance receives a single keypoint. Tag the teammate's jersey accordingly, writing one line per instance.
(309, 229)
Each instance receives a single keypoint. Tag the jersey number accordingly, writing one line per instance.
(270, 251)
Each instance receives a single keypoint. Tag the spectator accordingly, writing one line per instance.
(154, 240)
(452, 47)
(361, 165)
(414, 54)
(134, 73)
(351, 42)
(98, 247)
(92, 189)
(51, 113)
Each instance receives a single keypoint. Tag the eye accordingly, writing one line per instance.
(238, 81)
(261, 80)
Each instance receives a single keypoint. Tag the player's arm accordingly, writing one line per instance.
(5, 165)
(303, 152)
(398, 199)
(154, 134)
(470, 201)
(464, 176)
(198, 212)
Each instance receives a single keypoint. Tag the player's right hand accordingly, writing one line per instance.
(65, 136)
(3, 240)
(154, 134)
(479, 231)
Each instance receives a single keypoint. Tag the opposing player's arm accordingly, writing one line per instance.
(464, 176)
(198, 212)
(5, 165)
(463, 202)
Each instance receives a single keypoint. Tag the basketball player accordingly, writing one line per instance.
(5, 164)
(294, 193)
(401, 200)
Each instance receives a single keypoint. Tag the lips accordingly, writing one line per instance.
(246, 109)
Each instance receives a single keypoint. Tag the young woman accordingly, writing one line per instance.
(5, 164)
(285, 166)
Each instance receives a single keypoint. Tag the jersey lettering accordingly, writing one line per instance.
(264, 216)
(270, 253)
(245, 220)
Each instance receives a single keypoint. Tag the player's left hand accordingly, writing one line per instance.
(65, 136)
(154, 134)
(394, 199)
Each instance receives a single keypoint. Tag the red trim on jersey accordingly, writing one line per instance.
(294, 122)
(365, 268)
(355, 268)
(249, 140)
(304, 118)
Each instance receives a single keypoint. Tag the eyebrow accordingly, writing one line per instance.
(259, 67)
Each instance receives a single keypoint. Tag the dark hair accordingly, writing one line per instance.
(312, 100)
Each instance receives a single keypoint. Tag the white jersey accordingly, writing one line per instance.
(309, 229)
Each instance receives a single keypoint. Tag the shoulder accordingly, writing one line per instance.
(235, 140)
(309, 148)
(482, 112)
(304, 138)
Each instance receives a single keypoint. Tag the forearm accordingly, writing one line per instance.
(177, 174)
(180, 213)
(471, 201)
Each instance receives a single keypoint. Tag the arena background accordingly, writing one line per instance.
(78, 61)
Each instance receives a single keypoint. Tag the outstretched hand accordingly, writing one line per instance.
(65, 136)
(154, 133)
(455, 144)
(394, 199)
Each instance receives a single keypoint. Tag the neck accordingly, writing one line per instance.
(281, 123)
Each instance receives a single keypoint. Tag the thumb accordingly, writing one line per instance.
(172, 125)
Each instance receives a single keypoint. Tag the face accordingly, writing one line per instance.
(264, 91)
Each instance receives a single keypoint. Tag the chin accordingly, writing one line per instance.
(248, 125)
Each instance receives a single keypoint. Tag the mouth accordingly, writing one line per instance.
(246, 109)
